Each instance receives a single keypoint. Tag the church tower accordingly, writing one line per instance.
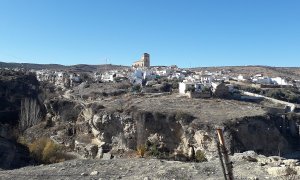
(143, 62)
(146, 59)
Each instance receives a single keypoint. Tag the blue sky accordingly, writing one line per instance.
(188, 33)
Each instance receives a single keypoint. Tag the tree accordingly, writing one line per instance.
(30, 114)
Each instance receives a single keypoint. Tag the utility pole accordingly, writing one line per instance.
(223, 153)
(106, 64)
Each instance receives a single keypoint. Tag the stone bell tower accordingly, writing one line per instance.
(146, 59)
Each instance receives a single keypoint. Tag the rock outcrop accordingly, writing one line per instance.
(177, 132)
(14, 87)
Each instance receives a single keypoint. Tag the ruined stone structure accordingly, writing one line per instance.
(143, 62)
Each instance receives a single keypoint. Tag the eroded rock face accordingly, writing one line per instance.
(171, 133)
(14, 87)
(64, 110)
(111, 130)
(116, 130)
(263, 134)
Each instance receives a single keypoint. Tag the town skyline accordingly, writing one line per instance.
(193, 34)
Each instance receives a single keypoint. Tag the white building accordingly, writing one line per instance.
(241, 78)
(262, 80)
(185, 86)
(108, 77)
(280, 81)
(206, 79)
(163, 72)
(177, 75)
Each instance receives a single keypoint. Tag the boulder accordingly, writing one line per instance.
(107, 156)
(281, 171)
(94, 173)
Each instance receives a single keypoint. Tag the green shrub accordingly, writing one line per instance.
(165, 87)
(154, 151)
(175, 84)
(250, 89)
(190, 89)
(200, 156)
(136, 88)
(284, 94)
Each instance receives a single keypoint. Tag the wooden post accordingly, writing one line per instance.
(221, 160)
(225, 155)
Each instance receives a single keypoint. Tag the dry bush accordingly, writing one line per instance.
(123, 85)
(141, 149)
(44, 150)
(22, 140)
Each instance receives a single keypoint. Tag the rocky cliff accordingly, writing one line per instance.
(179, 132)
(14, 87)
(98, 128)
(169, 126)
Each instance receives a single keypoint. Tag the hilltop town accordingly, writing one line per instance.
(110, 112)
(226, 82)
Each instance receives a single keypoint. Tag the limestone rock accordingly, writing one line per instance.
(94, 173)
(107, 156)
(277, 171)
(290, 162)
(84, 174)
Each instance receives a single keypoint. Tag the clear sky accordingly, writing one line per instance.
(188, 33)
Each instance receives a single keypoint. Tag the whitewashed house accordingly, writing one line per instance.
(137, 77)
(163, 72)
(280, 81)
(185, 86)
(207, 79)
(177, 75)
(243, 78)
(262, 80)
(190, 79)
(107, 77)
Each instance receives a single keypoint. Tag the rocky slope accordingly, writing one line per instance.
(170, 126)
(175, 126)
(248, 165)
(76, 68)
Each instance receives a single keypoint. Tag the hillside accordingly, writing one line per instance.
(288, 72)
(75, 68)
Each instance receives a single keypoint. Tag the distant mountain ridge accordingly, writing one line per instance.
(77, 67)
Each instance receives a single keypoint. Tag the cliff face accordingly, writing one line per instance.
(269, 135)
(178, 132)
(94, 129)
(14, 87)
